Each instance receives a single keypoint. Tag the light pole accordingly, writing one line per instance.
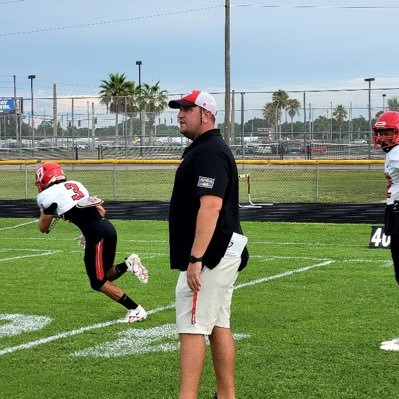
(31, 77)
(369, 80)
(369, 133)
(139, 63)
(383, 102)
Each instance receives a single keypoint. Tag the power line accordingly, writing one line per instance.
(11, 1)
(111, 21)
(314, 6)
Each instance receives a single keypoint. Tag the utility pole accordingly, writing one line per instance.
(31, 77)
(227, 90)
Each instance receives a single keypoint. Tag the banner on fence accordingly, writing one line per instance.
(7, 105)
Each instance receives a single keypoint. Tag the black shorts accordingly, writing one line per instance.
(100, 251)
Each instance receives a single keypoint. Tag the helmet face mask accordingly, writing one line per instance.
(47, 174)
(386, 130)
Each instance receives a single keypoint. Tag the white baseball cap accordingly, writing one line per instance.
(196, 97)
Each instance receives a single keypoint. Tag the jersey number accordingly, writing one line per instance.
(75, 188)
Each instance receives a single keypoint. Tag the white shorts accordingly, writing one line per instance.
(212, 306)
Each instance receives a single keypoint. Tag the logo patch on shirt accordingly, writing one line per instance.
(205, 182)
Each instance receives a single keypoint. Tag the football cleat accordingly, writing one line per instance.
(135, 266)
(133, 315)
(81, 241)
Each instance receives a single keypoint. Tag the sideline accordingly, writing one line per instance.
(156, 310)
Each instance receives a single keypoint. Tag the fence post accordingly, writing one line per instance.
(114, 182)
(26, 181)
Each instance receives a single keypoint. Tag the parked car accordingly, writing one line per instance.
(359, 142)
(317, 148)
(286, 146)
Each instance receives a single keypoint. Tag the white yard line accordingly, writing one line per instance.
(285, 274)
(170, 306)
(46, 253)
(73, 332)
(18, 225)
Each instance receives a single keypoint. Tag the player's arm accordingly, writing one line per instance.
(101, 210)
(44, 222)
(46, 217)
(207, 217)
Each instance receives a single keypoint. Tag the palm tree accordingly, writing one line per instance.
(270, 113)
(114, 93)
(279, 99)
(152, 100)
(340, 114)
(292, 107)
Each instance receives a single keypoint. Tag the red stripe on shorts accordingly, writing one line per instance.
(194, 308)
(99, 260)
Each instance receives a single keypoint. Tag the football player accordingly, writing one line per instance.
(70, 200)
(386, 137)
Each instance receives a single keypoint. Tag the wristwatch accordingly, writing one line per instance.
(193, 259)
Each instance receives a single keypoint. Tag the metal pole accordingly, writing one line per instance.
(72, 125)
(55, 113)
(88, 123)
(242, 125)
(369, 80)
(31, 77)
(304, 125)
(139, 63)
(93, 128)
(227, 94)
(16, 112)
(383, 102)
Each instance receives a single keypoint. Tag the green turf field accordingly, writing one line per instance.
(309, 312)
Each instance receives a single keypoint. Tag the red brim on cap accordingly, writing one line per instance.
(181, 103)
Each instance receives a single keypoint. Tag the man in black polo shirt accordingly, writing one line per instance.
(206, 245)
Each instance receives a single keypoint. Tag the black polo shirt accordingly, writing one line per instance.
(207, 168)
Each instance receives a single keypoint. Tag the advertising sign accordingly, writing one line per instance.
(7, 105)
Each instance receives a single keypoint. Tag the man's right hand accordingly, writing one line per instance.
(193, 276)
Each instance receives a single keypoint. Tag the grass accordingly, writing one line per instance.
(286, 184)
(312, 308)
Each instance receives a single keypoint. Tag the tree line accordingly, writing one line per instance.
(143, 104)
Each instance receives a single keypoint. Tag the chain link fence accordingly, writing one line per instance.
(290, 161)
(261, 182)
(83, 128)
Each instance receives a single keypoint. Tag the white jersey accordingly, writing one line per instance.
(391, 169)
(65, 194)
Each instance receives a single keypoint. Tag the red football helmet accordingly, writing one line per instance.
(48, 173)
(388, 122)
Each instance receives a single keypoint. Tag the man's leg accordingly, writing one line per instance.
(395, 254)
(112, 290)
(114, 273)
(223, 356)
(192, 358)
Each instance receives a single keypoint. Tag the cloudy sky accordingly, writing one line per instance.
(330, 44)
